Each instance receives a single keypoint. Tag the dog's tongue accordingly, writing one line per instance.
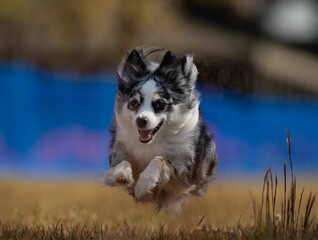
(145, 135)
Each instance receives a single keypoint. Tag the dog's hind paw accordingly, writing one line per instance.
(119, 175)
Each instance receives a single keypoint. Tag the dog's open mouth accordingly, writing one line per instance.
(145, 136)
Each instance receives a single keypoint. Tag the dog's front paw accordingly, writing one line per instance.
(119, 175)
(144, 187)
(156, 175)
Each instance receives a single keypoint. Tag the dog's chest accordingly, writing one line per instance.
(171, 145)
(142, 154)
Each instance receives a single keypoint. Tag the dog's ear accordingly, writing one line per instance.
(189, 68)
(132, 66)
(170, 66)
(173, 67)
(169, 61)
(131, 70)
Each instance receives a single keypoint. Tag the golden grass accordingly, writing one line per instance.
(86, 203)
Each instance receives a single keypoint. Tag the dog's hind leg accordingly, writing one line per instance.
(119, 175)
(156, 174)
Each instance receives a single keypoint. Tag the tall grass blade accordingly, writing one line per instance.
(299, 206)
(309, 205)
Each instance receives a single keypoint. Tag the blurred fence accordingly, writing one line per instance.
(56, 124)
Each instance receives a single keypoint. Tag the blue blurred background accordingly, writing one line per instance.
(58, 82)
(55, 124)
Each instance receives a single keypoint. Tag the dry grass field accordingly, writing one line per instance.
(84, 210)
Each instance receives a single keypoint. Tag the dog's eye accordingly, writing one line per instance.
(133, 104)
(159, 105)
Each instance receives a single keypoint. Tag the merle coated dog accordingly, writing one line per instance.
(161, 150)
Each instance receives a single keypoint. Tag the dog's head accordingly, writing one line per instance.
(153, 96)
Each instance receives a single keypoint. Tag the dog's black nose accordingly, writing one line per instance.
(142, 122)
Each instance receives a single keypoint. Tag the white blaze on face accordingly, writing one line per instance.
(148, 92)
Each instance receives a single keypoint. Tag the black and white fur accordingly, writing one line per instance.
(161, 151)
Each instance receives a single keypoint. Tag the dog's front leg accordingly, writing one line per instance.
(119, 175)
(156, 174)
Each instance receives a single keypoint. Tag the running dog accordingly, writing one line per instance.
(161, 151)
